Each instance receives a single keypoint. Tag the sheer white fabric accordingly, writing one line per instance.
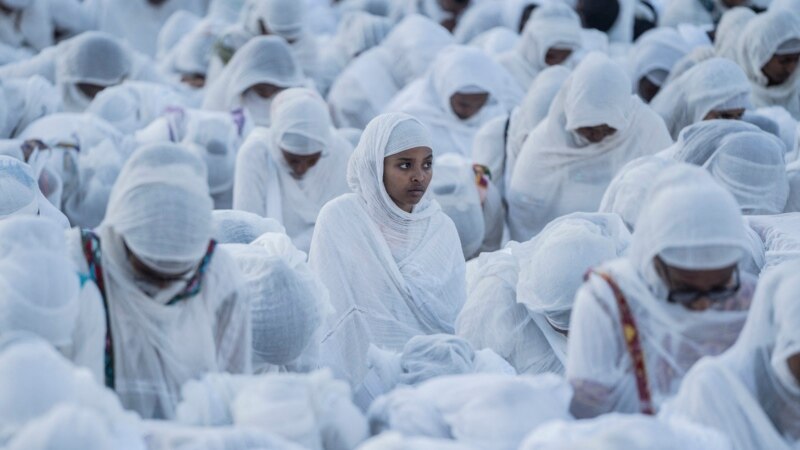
(241, 227)
(482, 411)
(765, 33)
(730, 31)
(367, 85)
(22, 195)
(779, 235)
(748, 393)
(25, 101)
(656, 51)
(631, 184)
(615, 431)
(453, 71)
(133, 105)
(405, 271)
(312, 410)
(161, 211)
(518, 295)
(265, 59)
(557, 172)
(553, 25)
(687, 215)
(264, 184)
(712, 85)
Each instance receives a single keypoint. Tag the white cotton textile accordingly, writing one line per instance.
(25, 101)
(556, 173)
(424, 358)
(163, 435)
(313, 410)
(748, 393)
(631, 184)
(553, 25)
(286, 305)
(617, 431)
(691, 223)
(264, 59)
(160, 209)
(396, 441)
(37, 382)
(405, 271)
(716, 84)
(480, 411)
(766, 32)
(132, 105)
(531, 112)
(453, 71)
(95, 58)
(241, 227)
(264, 183)
(364, 89)
(215, 137)
(22, 195)
(138, 23)
(455, 190)
(517, 295)
(655, 51)
(730, 29)
(779, 235)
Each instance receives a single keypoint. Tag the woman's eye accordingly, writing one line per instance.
(427, 165)
(405, 165)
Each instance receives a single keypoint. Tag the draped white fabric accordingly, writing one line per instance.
(556, 173)
(405, 271)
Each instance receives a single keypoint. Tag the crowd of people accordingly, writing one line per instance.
(400, 224)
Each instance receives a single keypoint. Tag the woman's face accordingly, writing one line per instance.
(697, 282)
(730, 114)
(300, 164)
(647, 89)
(195, 80)
(90, 90)
(794, 366)
(597, 133)
(556, 56)
(266, 90)
(780, 68)
(467, 105)
(406, 176)
(145, 273)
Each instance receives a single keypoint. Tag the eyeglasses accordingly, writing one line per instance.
(686, 297)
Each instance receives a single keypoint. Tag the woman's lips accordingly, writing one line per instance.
(416, 192)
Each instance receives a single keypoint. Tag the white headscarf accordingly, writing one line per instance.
(25, 101)
(553, 25)
(654, 54)
(264, 59)
(454, 71)
(630, 185)
(21, 193)
(690, 222)
(556, 173)
(730, 29)
(748, 393)
(93, 57)
(364, 89)
(408, 268)
(712, 85)
(263, 182)
(766, 33)
(133, 105)
(241, 227)
(160, 210)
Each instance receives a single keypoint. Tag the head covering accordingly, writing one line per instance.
(687, 230)
(654, 54)
(92, 57)
(557, 172)
(21, 193)
(284, 305)
(215, 138)
(454, 189)
(241, 227)
(284, 18)
(749, 393)
(766, 33)
(716, 84)
(301, 124)
(191, 54)
(730, 30)
(133, 105)
(552, 25)
(751, 166)
(630, 185)
(264, 59)
(698, 142)
(48, 309)
(360, 31)
(161, 208)
(428, 99)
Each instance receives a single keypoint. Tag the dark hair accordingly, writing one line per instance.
(599, 14)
